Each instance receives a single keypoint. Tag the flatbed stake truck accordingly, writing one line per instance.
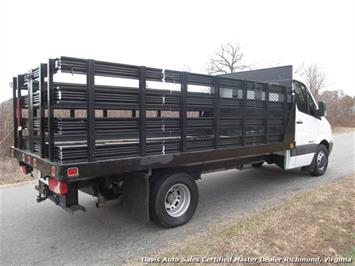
(147, 134)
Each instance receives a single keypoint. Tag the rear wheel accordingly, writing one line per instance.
(173, 199)
(320, 161)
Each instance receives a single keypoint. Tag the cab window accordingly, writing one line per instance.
(311, 105)
(301, 100)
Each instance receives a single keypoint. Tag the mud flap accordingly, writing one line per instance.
(136, 195)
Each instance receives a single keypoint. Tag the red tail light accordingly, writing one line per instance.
(57, 187)
(24, 169)
(72, 171)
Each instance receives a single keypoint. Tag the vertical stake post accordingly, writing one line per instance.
(14, 110)
(41, 91)
(285, 89)
(90, 110)
(244, 111)
(104, 113)
(266, 114)
(217, 82)
(183, 93)
(19, 110)
(50, 108)
(30, 112)
(142, 110)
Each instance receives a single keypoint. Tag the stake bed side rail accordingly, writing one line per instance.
(195, 119)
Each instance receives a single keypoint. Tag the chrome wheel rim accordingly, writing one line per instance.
(321, 160)
(177, 200)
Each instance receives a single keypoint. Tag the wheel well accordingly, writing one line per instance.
(169, 171)
(325, 143)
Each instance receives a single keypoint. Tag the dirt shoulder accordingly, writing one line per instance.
(320, 223)
(10, 173)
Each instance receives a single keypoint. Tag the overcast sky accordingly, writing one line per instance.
(179, 34)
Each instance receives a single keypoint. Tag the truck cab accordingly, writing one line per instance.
(312, 131)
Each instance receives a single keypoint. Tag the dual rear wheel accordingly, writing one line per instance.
(173, 199)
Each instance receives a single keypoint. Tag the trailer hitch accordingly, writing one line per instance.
(40, 197)
(43, 192)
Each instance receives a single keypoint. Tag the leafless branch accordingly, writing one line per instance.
(315, 79)
(227, 60)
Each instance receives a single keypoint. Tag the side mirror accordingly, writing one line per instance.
(321, 109)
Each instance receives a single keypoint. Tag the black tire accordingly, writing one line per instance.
(320, 161)
(257, 165)
(159, 192)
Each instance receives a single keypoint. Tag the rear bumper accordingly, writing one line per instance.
(68, 202)
(50, 169)
(46, 167)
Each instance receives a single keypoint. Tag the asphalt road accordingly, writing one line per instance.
(33, 233)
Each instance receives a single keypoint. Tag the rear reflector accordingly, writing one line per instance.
(57, 187)
(24, 169)
(72, 171)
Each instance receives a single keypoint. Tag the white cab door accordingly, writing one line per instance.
(307, 126)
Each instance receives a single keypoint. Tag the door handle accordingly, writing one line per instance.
(299, 122)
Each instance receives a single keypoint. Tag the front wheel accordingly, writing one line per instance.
(320, 161)
(173, 199)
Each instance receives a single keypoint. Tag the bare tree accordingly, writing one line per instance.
(227, 60)
(315, 79)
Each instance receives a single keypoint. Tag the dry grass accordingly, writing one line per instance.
(10, 173)
(317, 223)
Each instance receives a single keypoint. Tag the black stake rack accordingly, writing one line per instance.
(105, 122)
